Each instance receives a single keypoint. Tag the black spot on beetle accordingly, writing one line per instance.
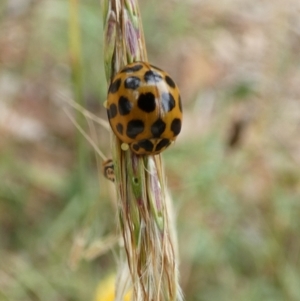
(176, 126)
(114, 86)
(135, 147)
(146, 144)
(162, 144)
(146, 102)
(112, 111)
(131, 69)
(157, 128)
(170, 81)
(167, 102)
(124, 106)
(132, 82)
(134, 127)
(152, 77)
(119, 128)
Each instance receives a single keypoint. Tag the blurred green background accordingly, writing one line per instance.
(233, 172)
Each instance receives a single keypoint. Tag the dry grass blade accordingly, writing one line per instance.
(145, 213)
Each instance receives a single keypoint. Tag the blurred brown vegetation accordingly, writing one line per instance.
(234, 171)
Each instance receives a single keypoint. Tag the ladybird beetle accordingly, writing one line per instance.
(108, 170)
(144, 108)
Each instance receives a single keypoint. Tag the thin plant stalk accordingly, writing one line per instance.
(144, 205)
